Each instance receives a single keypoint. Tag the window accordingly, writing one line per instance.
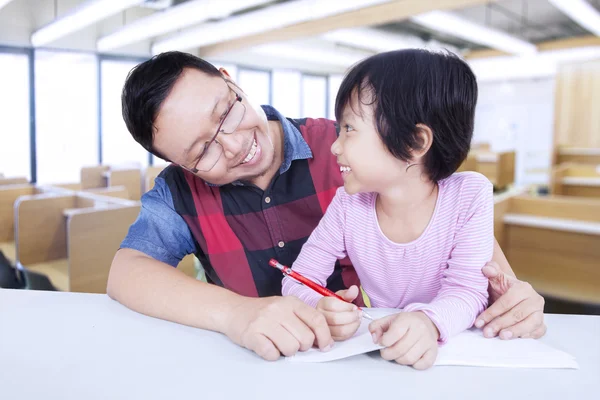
(14, 111)
(286, 93)
(256, 84)
(314, 96)
(334, 85)
(118, 146)
(66, 90)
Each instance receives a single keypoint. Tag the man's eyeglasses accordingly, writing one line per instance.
(212, 150)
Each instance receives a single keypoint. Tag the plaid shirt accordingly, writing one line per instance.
(235, 229)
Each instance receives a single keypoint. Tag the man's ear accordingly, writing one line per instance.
(224, 72)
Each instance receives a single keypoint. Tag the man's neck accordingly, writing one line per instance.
(276, 133)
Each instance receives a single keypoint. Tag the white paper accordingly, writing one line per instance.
(469, 348)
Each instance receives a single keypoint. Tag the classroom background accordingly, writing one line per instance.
(71, 176)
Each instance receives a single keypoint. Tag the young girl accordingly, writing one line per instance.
(416, 232)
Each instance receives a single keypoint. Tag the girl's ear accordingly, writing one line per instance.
(425, 139)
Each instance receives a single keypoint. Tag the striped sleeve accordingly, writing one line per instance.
(463, 294)
(317, 258)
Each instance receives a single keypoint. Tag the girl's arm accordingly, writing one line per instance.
(320, 252)
(464, 290)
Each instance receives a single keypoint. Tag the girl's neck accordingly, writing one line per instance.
(403, 199)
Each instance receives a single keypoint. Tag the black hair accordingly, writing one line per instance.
(146, 88)
(417, 86)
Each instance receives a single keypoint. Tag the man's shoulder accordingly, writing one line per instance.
(315, 124)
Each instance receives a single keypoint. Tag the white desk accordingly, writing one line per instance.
(86, 346)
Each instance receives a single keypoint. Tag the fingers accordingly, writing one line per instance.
(285, 342)
(343, 332)
(302, 333)
(491, 269)
(505, 303)
(401, 347)
(538, 333)
(335, 305)
(350, 294)
(262, 346)
(379, 326)
(316, 323)
(394, 333)
(342, 318)
(523, 328)
(427, 360)
(511, 317)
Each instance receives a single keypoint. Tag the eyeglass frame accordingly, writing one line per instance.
(238, 98)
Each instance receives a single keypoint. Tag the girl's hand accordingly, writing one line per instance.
(410, 338)
(343, 318)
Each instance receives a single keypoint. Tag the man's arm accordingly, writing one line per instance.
(154, 288)
(499, 258)
(143, 278)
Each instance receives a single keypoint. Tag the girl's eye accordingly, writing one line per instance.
(348, 128)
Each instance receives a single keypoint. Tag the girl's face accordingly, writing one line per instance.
(365, 163)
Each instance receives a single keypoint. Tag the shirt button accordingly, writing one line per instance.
(280, 244)
(267, 200)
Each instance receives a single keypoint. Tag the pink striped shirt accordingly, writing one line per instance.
(439, 273)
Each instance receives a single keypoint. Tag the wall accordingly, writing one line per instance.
(518, 115)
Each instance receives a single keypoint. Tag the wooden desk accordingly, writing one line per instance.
(581, 186)
(86, 346)
(580, 155)
(558, 256)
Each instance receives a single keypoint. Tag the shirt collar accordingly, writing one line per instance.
(294, 145)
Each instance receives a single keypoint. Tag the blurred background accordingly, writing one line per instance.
(71, 176)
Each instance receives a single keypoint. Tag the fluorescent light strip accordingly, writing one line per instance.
(174, 18)
(542, 64)
(373, 39)
(273, 17)
(310, 53)
(84, 15)
(462, 28)
(581, 12)
(4, 2)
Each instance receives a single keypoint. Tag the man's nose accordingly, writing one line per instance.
(233, 143)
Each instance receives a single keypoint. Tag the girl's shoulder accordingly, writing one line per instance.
(464, 188)
(469, 180)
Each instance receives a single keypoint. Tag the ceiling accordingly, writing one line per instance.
(328, 39)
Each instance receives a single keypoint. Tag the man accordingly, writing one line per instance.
(245, 185)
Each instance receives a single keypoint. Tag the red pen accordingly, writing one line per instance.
(307, 282)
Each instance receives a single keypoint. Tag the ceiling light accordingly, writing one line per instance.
(180, 16)
(581, 12)
(459, 27)
(84, 15)
(274, 17)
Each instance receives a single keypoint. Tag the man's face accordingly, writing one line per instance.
(189, 117)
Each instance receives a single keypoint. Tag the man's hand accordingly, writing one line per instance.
(273, 326)
(516, 309)
(343, 318)
(410, 338)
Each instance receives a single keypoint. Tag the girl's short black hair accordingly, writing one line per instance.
(417, 86)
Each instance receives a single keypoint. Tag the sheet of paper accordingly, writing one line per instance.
(469, 348)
